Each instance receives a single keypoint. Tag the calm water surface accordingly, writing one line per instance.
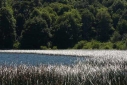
(36, 59)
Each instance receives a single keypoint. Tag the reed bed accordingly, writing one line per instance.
(97, 70)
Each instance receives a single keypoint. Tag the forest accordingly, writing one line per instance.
(63, 24)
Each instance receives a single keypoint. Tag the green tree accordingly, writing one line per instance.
(35, 34)
(22, 7)
(104, 26)
(107, 3)
(46, 13)
(20, 20)
(37, 3)
(119, 5)
(7, 28)
(22, 10)
(35, 12)
(92, 9)
(115, 37)
(122, 26)
(88, 23)
(115, 18)
(6, 3)
(60, 8)
(68, 29)
(0, 3)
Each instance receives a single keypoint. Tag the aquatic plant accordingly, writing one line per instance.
(98, 69)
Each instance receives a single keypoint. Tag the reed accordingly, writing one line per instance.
(98, 70)
(92, 73)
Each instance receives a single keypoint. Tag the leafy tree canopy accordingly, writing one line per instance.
(35, 24)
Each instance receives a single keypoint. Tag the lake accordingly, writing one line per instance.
(36, 59)
(66, 57)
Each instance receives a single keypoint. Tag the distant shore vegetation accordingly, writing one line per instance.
(63, 24)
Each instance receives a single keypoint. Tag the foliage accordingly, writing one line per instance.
(43, 47)
(122, 26)
(104, 25)
(115, 37)
(68, 31)
(16, 45)
(7, 28)
(107, 45)
(120, 45)
(35, 33)
(88, 24)
(80, 45)
(87, 45)
(66, 22)
(54, 47)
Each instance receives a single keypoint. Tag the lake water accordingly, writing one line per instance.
(36, 59)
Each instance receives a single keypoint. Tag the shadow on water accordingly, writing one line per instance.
(37, 59)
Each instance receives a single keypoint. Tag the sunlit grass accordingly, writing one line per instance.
(106, 69)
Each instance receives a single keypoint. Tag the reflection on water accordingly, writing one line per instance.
(36, 59)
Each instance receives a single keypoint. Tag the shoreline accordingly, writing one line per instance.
(77, 53)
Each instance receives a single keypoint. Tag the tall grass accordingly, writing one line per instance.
(99, 70)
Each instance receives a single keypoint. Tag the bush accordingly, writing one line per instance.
(107, 45)
(87, 46)
(95, 44)
(80, 45)
(120, 45)
(43, 47)
(16, 45)
(54, 47)
(115, 37)
(99, 45)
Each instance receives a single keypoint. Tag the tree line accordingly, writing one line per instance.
(63, 24)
